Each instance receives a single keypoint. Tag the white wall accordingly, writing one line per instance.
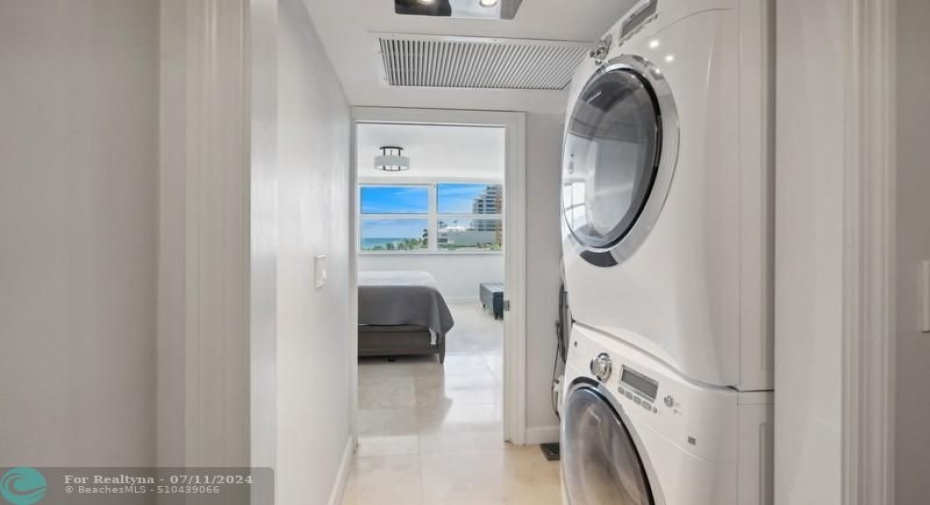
(912, 457)
(810, 151)
(458, 275)
(543, 256)
(435, 151)
(172, 282)
(78, 178)
(313, 378)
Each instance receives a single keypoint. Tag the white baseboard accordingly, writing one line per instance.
(461, 299)
(542, 434)
(339, 487)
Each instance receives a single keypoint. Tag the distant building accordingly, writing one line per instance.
(457, 237)
(490, 201)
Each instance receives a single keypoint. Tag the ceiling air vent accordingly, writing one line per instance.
(473, 62)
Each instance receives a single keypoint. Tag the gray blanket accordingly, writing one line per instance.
(402, 297)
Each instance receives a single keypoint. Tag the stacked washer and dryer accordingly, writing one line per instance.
(667, 225)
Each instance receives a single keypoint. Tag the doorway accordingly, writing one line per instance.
(449, 234)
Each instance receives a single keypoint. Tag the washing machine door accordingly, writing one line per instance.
(618, 158)
(600, 462)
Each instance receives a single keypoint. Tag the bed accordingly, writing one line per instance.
(401, 313)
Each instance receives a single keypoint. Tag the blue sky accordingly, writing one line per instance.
(395, 200)
(457, 198)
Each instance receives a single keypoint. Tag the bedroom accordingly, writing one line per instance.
(430, 228)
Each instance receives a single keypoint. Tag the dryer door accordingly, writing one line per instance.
(600, 462)
(614, 178)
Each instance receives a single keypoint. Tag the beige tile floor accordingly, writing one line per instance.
(432, 434)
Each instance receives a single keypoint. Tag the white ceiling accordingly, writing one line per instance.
(461, 152)
(346, 29)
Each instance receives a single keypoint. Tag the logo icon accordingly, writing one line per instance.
(23, 486)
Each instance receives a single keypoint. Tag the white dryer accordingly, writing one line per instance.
(636, 432)
(667, 188)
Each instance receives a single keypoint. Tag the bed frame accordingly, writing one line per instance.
(402, 340)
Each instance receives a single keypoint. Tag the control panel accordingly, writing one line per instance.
(635, 386)
(702, 420)
(638, 388)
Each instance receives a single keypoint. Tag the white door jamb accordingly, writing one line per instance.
(869, 305)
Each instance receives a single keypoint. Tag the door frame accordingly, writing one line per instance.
(514, 124)
(869, 307)
(861, 208)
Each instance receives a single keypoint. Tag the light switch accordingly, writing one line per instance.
(319, 263)
(925, 296)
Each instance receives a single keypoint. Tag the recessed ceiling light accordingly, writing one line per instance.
(654, 43)
(487, 3)
(670, 58)
(427, 2)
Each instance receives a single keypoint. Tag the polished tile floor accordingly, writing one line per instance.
(432, 434)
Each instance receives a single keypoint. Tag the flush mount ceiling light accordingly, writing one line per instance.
(391, 159)
(487, 3)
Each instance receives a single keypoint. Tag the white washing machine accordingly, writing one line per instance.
(636, 432)
(667, 188)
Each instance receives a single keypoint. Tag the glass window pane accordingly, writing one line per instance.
(393, 234)
(470, 234)
(459, 198)
(394, 200)
(610, 158)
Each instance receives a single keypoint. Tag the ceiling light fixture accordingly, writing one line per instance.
(487, 3)
(427, 2)
(392, 159)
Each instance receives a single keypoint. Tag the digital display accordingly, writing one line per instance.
(640, 382)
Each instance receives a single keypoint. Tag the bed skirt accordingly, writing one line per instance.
(399, 340)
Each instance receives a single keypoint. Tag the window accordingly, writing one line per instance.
(399, 218)
(458, 205)
(436, 217)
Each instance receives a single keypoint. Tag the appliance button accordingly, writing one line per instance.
(655, 410)
(621, 391)
(629, 395)
(669, 401)
(647, 406)
(637, 400)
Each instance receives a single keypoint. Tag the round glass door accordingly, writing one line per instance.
(600, 463)
(611, 156)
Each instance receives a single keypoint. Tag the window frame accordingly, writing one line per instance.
(432, 216)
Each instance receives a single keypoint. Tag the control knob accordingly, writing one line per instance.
(601, 366)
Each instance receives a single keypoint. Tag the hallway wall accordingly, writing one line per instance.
(78, 179)
(313, 378)
(912, 412)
